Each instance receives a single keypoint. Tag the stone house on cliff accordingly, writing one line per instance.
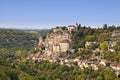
(64, 45)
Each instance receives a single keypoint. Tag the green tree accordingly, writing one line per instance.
(104, 46)
(3, 76)
(109, 75)
(13, 74)
(81, 77)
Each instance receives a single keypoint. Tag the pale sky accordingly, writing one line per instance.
(45, 14)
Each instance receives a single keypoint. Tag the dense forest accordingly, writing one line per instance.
(16, 45)
(44, 70)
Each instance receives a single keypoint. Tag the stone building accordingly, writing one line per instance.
(64, 46)
(89, 43)
(116, 33)
(112, 43)
(56, 48)
(72, 28)
(61, 47)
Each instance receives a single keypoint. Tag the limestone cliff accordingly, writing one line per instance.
(57, 41)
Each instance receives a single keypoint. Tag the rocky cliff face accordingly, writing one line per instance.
(57, 41)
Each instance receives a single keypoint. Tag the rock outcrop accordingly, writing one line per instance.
(57, 41)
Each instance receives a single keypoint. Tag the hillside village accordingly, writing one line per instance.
(59, 39)
(58, 47)
(77, 51)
